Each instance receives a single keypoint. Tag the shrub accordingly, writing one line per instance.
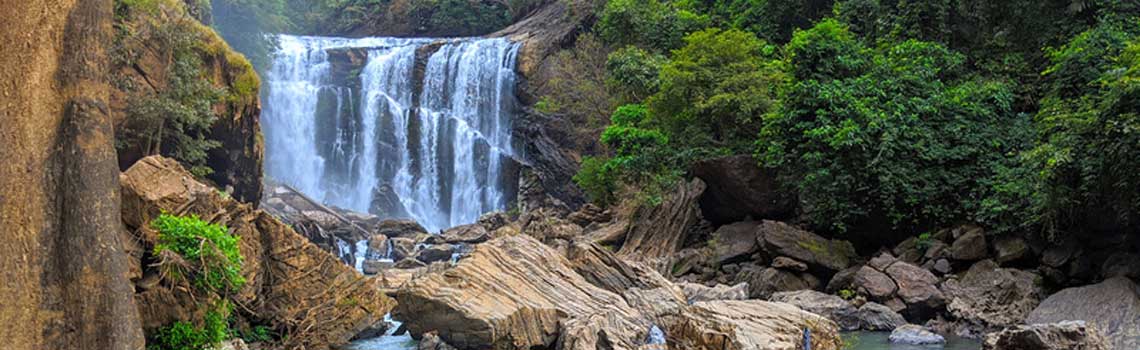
(632, 73)
(182, 335)
(209, 248)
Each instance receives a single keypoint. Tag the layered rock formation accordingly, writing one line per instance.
(1068, 335)
(1113, 306)
(291, 283)
(64, 271)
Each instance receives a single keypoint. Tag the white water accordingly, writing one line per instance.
(443, 154)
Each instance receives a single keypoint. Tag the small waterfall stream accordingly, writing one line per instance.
(356, 122)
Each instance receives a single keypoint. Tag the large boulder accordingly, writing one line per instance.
(874, 283)
(878, 317)
(914, 335)
(290, 282)
(1113, 306)
(738, 188)
(826, 305)
(782, 239)
(762, 282)
(970, 246)
(659, 230)
(990, 297)
(749, 325)
(512, 293)
(917, 288)
(1068, 335)
(734, 241)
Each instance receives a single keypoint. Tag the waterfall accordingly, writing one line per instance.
(428, 119)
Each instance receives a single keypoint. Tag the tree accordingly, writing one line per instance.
(897, 137)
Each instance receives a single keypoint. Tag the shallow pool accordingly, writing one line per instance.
(878, 341)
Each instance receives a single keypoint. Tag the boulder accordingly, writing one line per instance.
(1121, 264)
(970, 246)
(826, 305)
(878, 317)
(659, 230)
(472, 233)
(991, 297)
(844, 279)
(782, 239)
(734, 241)
(399, 228)
(738, 188)
(435, 252)
(749, 324)
(431, 341)
(512, 293)
(914, 335)
(494, 220)
(289, 280)
(697, 292)
(917, 288)
(763, 282)
(1010, 249)
(1067, 335)
(1113, 306)
(786, 263)
(874, 283)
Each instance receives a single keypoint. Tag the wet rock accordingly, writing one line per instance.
(1112, 305)
(399, 228)
(473, 233)
(697, 292)
(734, 241)
(826, 305)
(914, 335)
(878, 317)
(789, 264)
(1067, 335)
(782, 239)
(990, 297)
(749, 324)
(435, 252)
(970, 246)
(738, 188)
(431, 341)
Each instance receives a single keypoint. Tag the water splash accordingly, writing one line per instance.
(443, 149)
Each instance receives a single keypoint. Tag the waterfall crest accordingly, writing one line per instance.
(350, 122)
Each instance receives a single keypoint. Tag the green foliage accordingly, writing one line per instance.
(923, 242)
(258, 334)
(893, 136)
(648, 24)
(212, 329)
(1089, 132)
(213, 251)
(631, 73)
(846, 294)
(772, 20)
(715, 90)
(642, 157)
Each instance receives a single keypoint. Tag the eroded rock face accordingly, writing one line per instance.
(1068, 335)
(782, 239)
(696, 292)
(510, 293)
(734, 241)
(1112, 305)
(290, 282)
(659, 231)
(740, 188)
(990, 297)
(826, 305)
(749, 324)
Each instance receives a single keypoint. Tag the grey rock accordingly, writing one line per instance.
(1010, 249)
(435, 252)
(970, 246)
(1112, 305)
(1067, 335)
(826, 305)
(734, 241)
(914, 335)
(697, 292)
(789, 264)
(874, 283)
(779, 238)
(878, 317)
(763, 282)
(992, 297)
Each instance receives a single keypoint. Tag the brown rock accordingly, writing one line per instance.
(660, 230)
(749, 324)
(288, 279)
(970, 246)
(992, 297)
(874, 283)
(789, 264)
(763, 282)
(1009, 249)
(399, 228)
(1068, 335)
(782, 239)
(473, 233)
(917, 287)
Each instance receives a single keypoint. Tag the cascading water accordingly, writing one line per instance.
(433, 126)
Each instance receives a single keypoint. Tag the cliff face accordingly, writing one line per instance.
(65, 277)
(151, 44)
